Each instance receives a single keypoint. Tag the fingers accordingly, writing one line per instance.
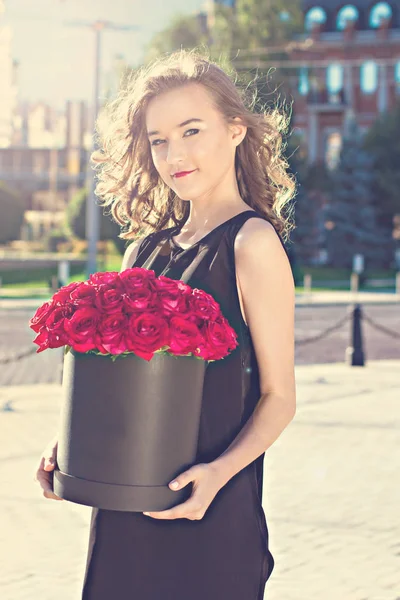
(51, 495)
(49, 464)
(44, 476)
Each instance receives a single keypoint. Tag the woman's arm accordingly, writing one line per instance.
(268, 294)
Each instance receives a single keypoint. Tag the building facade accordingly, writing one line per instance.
(351, 64)
(8, 94)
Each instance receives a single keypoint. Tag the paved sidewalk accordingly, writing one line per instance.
(331, 493)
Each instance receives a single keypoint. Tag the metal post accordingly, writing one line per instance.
(354, 355)
(54, 284)
(92, 208)
(63, 272)
(307, 285)
(354, 285)
(397, 285)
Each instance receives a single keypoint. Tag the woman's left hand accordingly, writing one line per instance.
(207, 482)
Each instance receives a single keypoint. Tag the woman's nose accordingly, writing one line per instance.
(175, 152)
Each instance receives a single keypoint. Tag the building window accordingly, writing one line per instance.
(369, 77)
(284, 16)
(333, 147)
(315, 15)
(304, 83)
(334, 78)
(346, 13)
(39, 163)
(379, 12)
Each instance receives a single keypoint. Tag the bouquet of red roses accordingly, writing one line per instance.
(134, 312)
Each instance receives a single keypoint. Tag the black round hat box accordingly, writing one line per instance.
(127, 428)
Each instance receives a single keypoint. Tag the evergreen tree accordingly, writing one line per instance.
(312, 182)
(12, 210)
(246, 26)
(383, 142)
(353, 227)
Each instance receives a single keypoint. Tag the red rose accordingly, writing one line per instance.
(141, 299)
(137, 278)
(173, 296)
(147, 333)
(204, 306)
(63, 294)
(52, 332)
(98, 280)
(219, 338)
(81, 329)
(185, 336)
(109, 299)
(55, 325)
(42, 340)
(38, 319)
(110, 336)
(83, 295)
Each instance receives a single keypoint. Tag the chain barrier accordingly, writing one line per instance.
(379, 327)
(324, 333)
(15, 357)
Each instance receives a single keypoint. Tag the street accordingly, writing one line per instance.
(45, 367)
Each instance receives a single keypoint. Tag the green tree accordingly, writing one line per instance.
(243, 31)
(255, 24)
(383, 142)
(12, 210)
(185, 31)
(313, 183)
(76, 222)
(354, 227)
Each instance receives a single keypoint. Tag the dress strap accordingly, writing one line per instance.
(188, 271)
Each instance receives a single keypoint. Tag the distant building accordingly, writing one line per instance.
(8, 93)
(47, 165)
(352, 64)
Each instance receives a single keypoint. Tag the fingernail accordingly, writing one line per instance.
(147, 514)
(174, 484)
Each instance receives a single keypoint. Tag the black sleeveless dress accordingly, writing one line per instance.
(225, 555)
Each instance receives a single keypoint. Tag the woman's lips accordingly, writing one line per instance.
(184, 173)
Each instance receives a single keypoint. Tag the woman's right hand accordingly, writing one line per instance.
(44, 473)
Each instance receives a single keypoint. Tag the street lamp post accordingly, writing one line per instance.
(92, 208)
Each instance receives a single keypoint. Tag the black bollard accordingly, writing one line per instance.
(354, 356)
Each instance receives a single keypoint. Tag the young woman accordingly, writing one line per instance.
(198, 180)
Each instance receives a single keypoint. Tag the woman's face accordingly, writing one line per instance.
(187, 133)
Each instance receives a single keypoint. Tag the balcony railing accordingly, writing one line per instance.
(326, 98)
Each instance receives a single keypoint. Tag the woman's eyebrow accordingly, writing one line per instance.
(155, 132)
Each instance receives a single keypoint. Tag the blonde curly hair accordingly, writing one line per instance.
(127, 180)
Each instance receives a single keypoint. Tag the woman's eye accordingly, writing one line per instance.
(155, 142)
(196, 130)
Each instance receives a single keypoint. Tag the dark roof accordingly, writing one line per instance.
(333, 6)
(336, 4)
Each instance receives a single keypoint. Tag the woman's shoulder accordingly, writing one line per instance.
(255, 231)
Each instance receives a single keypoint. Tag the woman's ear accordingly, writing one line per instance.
(238, 130)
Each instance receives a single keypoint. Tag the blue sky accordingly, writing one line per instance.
(56, 61)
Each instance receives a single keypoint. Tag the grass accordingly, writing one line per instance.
(38, 288)
(330, 273)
